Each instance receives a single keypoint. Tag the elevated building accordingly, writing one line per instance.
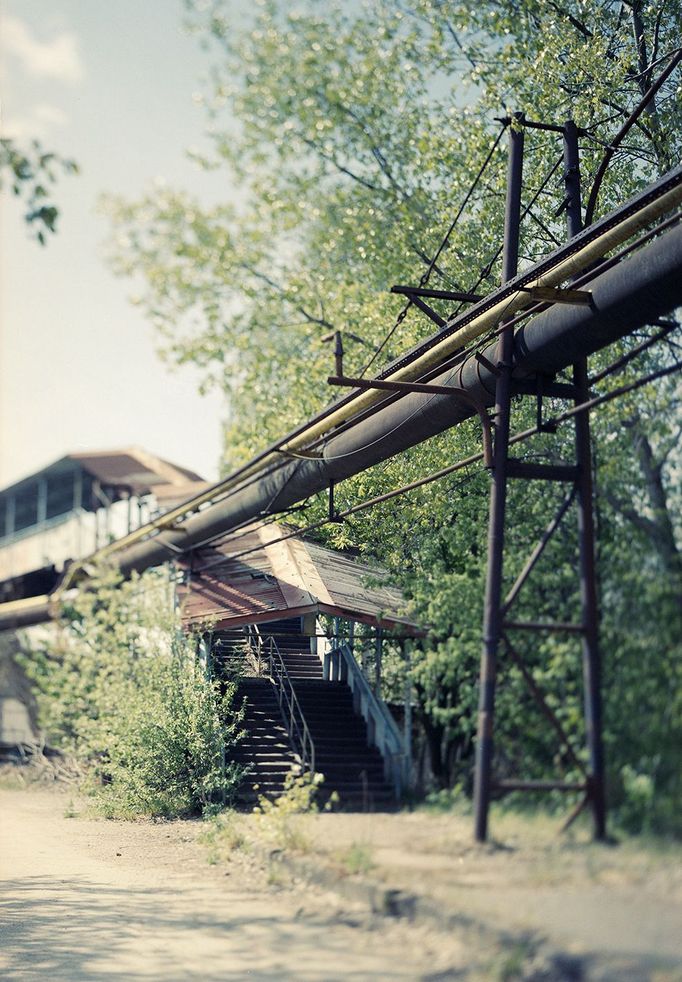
(76, 505)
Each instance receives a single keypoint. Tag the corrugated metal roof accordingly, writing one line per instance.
(133, 468)
(285, 577)
(130, 468)
(118, 468)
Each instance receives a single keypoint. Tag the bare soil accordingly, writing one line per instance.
(87, 899)
(616, 907)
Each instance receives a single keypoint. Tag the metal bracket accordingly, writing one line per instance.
(493, 369)
(550, 294)
(427, 389)
(333, 513)
(420, 291)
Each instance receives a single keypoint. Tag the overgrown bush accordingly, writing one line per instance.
(119, 687)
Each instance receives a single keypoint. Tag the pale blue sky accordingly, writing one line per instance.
(111, 84)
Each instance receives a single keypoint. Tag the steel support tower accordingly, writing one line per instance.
(497, 624)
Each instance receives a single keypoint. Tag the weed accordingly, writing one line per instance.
(70, 810)
(509, 967)
(279, 817)
(276, 876)
(358, 858)
(224, 835)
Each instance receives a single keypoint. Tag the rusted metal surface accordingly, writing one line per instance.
(283, 576)
(492, 616)
(586, 529)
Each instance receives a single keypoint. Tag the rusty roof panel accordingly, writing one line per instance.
(282, 576)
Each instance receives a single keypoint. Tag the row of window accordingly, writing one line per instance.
(45, 498)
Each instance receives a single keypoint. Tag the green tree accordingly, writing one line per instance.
(353, 134)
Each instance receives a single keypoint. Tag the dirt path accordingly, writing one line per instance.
(622, 905)
(90, 900)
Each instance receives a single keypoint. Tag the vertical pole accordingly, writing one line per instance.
(586, 535)
(498, 498)
(334, 668)
(407, 647)
(378, 652)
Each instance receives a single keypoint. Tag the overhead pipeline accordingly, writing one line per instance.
(576, 255)
(636, 291)
(640, 289)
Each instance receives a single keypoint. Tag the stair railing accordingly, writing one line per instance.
(269, 660)
(382, 730)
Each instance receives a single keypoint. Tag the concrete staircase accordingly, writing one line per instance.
(265, 749)
(350, 767)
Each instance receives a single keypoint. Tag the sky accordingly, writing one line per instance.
(112, 84)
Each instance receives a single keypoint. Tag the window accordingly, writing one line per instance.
(26, 507)
(59, 494)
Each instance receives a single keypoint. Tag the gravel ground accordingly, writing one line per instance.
(87, 899)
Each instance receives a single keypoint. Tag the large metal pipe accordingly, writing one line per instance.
(640, 289)
(589, 245)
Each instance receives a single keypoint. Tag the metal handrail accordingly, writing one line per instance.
(297, 727)
(382, 729)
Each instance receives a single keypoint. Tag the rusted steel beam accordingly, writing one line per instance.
(421, 291)
(586, 531)
(551, 294)
(541, 702)
(492, 613)
(530, 471)
(538, 551)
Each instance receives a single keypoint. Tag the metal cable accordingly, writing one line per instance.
(425, 276)
(485, 272)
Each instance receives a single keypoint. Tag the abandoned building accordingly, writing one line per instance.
(292, 617)
(302, 626)
(77, 504)
(59, 515)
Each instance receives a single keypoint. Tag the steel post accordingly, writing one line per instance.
(378, 652)
(586, 534)
(492, 614)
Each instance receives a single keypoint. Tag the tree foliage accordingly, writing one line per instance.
(351, 134)
(29, 173)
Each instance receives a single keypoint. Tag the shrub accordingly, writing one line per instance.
(120, 688)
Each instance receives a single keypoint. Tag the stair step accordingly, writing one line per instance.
(350, 767)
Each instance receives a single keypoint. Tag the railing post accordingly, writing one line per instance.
(378, 652)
